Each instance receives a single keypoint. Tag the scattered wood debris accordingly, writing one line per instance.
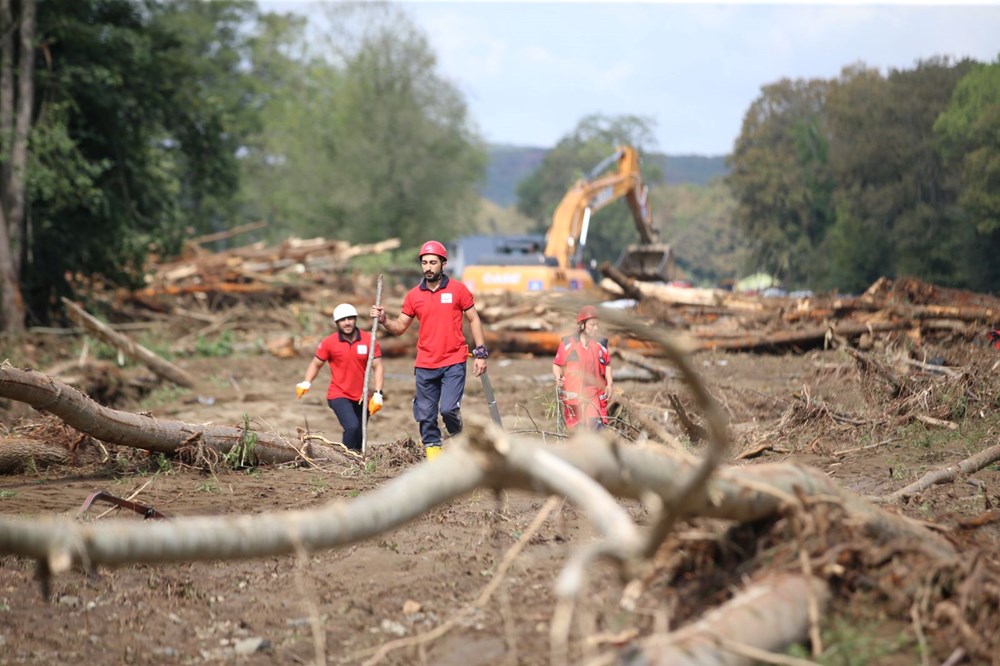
(276, 299)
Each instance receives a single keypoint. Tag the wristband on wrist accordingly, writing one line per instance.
(481, 352)
(382, 318)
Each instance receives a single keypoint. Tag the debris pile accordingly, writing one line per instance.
(907, 308)
(254, 272)
(276, 299)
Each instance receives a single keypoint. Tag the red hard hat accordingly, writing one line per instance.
(586, 312)
(433, 247)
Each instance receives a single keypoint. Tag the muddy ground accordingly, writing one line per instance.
(342, 605)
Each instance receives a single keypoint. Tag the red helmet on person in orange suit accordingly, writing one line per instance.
(433, 247)
(586, 312)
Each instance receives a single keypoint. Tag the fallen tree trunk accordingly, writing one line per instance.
(129, 347)
(228, 233)
(813, 335)
(672, 295)
(768, 616)
(628, 285)
(970, 465)
(15, 452)
(144, 432)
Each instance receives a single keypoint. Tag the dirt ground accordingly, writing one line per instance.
(414, 579)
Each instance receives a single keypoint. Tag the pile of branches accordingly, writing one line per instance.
(251, 273)
(887, 313)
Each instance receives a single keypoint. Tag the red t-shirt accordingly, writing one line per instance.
(347, 360)
(441, 341)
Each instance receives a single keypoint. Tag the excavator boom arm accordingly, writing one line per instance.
(592, 193)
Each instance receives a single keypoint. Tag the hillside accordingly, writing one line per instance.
(509, 165)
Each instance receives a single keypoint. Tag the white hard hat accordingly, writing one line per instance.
(344, 310)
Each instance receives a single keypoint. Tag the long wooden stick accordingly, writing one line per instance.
(368, 369)
(128, 346)
(970, 465)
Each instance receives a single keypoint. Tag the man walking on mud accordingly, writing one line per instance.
(440, 304)
(347, 353)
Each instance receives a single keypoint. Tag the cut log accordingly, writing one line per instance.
(769, 616)
(809, 336)
(17, 453)
(968, 466)
(129, 347)
(628, 286)
(228, 233)
(144, 432)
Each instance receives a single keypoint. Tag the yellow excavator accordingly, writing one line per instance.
(515, 265)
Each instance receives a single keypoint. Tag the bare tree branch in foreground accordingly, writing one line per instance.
(484, 458)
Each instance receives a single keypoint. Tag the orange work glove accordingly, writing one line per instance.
(301, 389)
(375, 403)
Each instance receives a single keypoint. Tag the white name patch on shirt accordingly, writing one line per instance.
(446, 298)
(362, 350)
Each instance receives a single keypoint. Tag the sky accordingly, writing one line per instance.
(530, 71)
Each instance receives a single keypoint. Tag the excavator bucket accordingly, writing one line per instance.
(653, 262)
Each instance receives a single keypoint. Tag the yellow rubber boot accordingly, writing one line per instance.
(432, 451)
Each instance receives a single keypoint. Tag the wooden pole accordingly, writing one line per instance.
(128, 346)
(368, 370)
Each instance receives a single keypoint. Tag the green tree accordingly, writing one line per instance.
(405, 156)
(215, 109)
(969, 134)
(383, 142)
(895, 195)
(859, 244)
(286, 165)
(781, 180)
(699, 226)
(590, 142)
(124, 155)
(16, 113)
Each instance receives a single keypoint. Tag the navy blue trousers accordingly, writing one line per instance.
(438, 389)
(349, 414)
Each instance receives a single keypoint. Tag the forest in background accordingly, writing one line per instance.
(131, 125)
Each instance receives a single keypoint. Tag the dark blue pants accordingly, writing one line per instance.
(438, 389)
(349, 414)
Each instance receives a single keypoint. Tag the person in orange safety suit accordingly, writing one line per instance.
(582, 369)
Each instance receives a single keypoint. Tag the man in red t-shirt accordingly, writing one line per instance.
(440, 304)
(347, 353)
(582, 368)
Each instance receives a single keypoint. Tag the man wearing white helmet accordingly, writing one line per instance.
(440, 304)
(347, 353)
